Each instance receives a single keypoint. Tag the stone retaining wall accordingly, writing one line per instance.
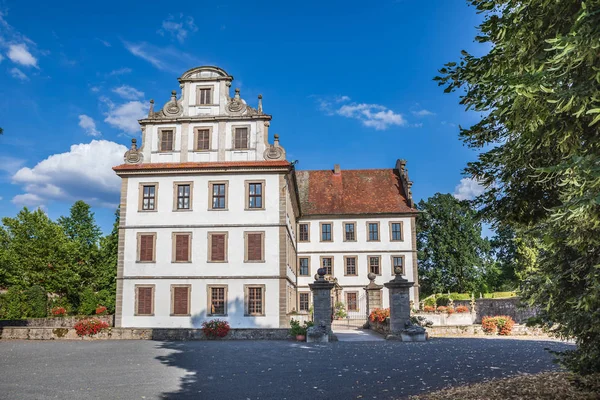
(381, 327)
(57, 322)
(164, 334)
(511, 307)
(475, 330)
(443, 319)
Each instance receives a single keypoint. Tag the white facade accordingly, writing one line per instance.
(171, 234)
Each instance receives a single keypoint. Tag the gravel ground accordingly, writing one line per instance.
(259, 369)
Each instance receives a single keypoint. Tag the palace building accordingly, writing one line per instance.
(217, 223)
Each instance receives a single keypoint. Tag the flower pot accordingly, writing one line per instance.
(300, 338)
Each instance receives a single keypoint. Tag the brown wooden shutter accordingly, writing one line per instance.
(144, 301)
(182, 247)
(180, 300)
(217, 248)
(255, 247)
(146, 248)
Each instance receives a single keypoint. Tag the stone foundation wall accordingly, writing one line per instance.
(443, 319)
(380, 327)
(164, 334)
(511, 307)
(475, 330)
(58, 322)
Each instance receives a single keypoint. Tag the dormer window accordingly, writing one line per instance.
(204, 95)
(166, 140)
(240, 138)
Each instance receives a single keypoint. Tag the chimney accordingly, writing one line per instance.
(336, 169)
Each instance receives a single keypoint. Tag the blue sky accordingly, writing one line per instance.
(346, 82)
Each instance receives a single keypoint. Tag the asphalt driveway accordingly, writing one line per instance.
(258, 369)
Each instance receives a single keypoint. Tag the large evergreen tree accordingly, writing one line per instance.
(538, 92)
(451, 251)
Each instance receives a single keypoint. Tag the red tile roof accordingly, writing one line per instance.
(367, 191)
(200, 165)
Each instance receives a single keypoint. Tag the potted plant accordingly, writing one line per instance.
(340, 310)
(298, 331)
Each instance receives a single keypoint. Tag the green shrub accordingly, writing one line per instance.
(36, 300)
(499, 295)
(340, 310)
(442, 300)
(107, 298)
(14, 304)
(88, 300)
(460, 296)
(429, 302)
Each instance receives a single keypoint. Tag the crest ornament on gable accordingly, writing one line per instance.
(133, 155)
(275, 151)
(173, 107)
(236, 105)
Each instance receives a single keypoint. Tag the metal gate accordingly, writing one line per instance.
(356, 313)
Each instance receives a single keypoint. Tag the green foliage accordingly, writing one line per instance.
(442, 300)
(68, 258)
(430, 301)
(538, 94)
(460, 296)
(451, 251)
(339, 310)
(499, 295)
(88, 300)
(36, 301)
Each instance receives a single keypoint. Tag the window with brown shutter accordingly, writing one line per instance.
(166, 140)
(145, 300)
(203, 139)
(182, 247)
(255, 300)
(240, 140)
(146, 248)
(254, 246)
(204, 95)
(217, 247)
(180, 300)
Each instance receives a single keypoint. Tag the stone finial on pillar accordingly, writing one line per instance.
(276, 140)
(373, 294)
(260, 109)
(237, 93)
(173, 95)
(151, 110)
(133, 144)
(400, 326)
(321, 290)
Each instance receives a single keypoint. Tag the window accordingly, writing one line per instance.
(180, 300)
(184, 196)
(304, 266)
(240, 138)
(254, 246)
(304, 302)
(349, 232)
(395, 231)
(146, 242)
(203, 139)
(352, 301)
(217, 247)
(144, 300)
(166, 140)
(147, 193)
(217, 300)
(327, 263)
(303, 233)
(326, 232)
(374, 265)
(182, 247)
(350, 265)
(373, 231)
(218, 194)
(204, 95)
(397, 261)
(254, 195)
(255, 301)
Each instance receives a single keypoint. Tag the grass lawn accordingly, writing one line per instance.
(549, 385)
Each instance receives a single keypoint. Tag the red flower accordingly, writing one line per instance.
(90, 326)
(379, 314)
(462, 309)
(100, 310)
(215, 328)
(58, 311)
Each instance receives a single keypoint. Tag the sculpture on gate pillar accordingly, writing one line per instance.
(400, 326)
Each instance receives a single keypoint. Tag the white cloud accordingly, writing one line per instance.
(104, 42)
(163, 58)
(468, 189)
(10, 165)
(128, 92)
(88, 124)
(84, 172)
(372, 115)
(178, 29)
(125, 116)
(19, 54)
(422, 113)
(448, 123)
(95, 89)
(342, 99)
(18, 74)
(120, 71)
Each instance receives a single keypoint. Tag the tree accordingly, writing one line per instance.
(450, 248)
(504, 253)
(538, 92)
(106, 281)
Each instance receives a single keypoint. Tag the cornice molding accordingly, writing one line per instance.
(212, 118)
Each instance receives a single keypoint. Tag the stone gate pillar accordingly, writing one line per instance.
(400, 326)
(321, 291)
(373, 294)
